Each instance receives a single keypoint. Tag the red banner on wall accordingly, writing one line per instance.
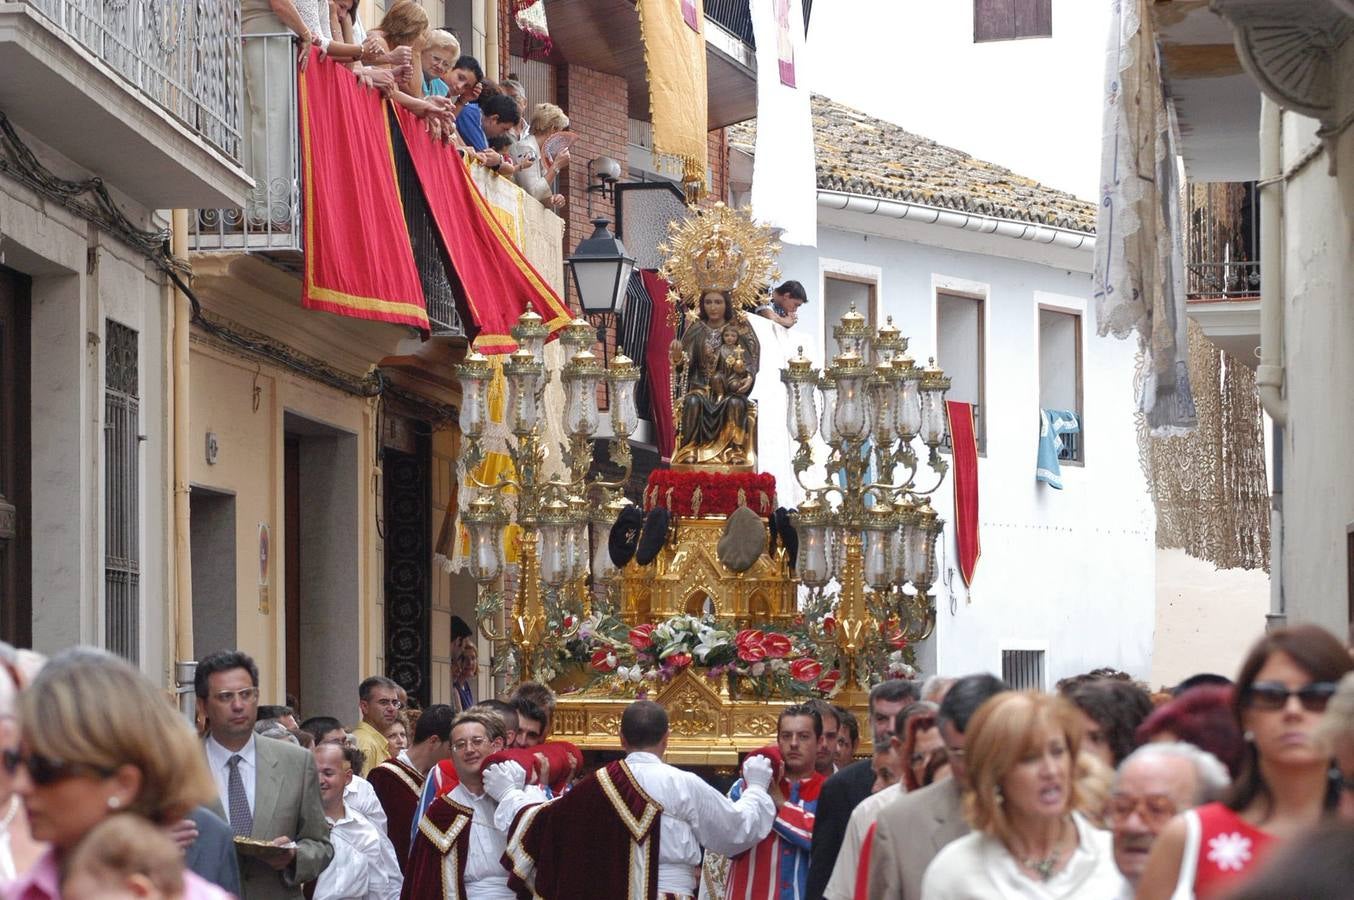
(498, 282)
(965, 446)
(358, 261)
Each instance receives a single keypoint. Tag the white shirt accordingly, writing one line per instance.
(218, 759)
(979, 867)
(361, 796)
(696, 815)
(485, 877)
(364, 865)
(842, 884)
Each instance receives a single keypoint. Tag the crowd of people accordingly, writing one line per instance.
(1218, 788)
(423, 70)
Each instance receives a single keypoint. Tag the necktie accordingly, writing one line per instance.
(241, 819)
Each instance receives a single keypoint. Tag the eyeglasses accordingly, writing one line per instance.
(476, 742)
(46, 770)
(390, 704)
(247, 695)
(1271, 695)
(1154, 809)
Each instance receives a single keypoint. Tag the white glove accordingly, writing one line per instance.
(757, 772)
(500, 778)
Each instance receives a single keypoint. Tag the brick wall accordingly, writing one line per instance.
(504, 37)
(718, 147)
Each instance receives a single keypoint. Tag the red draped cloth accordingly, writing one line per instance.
(358, 260)
(563, 758)
(584, 843)
(498, 282)
(965, 469)
(398, 788)
(443, 837)
(661, 334)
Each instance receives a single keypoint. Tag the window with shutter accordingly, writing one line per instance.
(1008, 20)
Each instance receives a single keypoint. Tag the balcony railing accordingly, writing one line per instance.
(1223, 241)
(185, 57)
(271, 218)
(734, 16)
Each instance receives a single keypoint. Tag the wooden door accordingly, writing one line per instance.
(16, 561)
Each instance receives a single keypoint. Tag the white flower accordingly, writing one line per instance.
(1229, 852)
(710, 640)
(758, 669)
(630, 673)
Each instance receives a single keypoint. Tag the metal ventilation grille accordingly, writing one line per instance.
(1023, 670)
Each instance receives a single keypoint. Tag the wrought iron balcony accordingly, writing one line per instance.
(1223, 241)
(185, 57)
(734, 16)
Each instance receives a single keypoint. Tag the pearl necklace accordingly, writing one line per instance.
(10, 813)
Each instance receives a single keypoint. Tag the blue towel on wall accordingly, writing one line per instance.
(1052, 423)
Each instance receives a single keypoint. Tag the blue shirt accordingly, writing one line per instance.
(468, 123)
(435, 87)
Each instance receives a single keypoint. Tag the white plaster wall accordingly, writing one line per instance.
(1032, 105)
(1207, 618)
(1070, 570)
(1318, 282)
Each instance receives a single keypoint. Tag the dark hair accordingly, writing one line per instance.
(370, 684)
(469, 64)
(526, 708)
(910, 712)
(502, 143)
(1321, 865)
(893, 690)
(643, 724)
(920, 722)
(792, 289)
(1118, 707)
(356, 758)
(222, 661)
(502, 107)
(1318, 653)
(318, 726)
(1101, 674)
(965, 696)
(274, 712)
(1203, 717)
(459, 629)
(847, 719)
(823, 708)
(435, 722)
(700, 310)
(303, 738)
(802, 709)
(352, 11)
(938, 760)
(1200, 680)
(504, 709)
(539, 694)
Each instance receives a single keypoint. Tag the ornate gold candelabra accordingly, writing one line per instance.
(553, 515)
(880, 536)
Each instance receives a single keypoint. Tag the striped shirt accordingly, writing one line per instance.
(778, 867)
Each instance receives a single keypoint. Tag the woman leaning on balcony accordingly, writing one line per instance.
(534, 174)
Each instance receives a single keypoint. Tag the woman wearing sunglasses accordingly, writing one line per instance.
(96, 740)
(1283, 786)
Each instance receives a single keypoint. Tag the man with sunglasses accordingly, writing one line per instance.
(269, 789)
(1153, 784)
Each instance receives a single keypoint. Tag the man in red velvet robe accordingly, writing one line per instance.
(398, 782)
(449, 859)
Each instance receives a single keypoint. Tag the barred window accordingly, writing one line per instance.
(1023, 670)
(122, 514)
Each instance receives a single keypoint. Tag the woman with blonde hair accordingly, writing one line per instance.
(1028, 839)
(97, 739)
(534, 174)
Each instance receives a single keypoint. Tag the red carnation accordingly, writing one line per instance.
(604, 661)
(806, 669)
(639, 636)
(777, 646)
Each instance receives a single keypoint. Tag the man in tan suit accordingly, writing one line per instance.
(269, 789)
(914, 828)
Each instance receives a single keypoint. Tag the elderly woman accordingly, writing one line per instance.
(439, 55)
(97, 740)
(534, 174)
(1028, 839)
(1283, 786)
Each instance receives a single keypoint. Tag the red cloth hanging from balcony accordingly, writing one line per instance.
(358, 261)
(498, 282)
(963, 439)
(661, 334)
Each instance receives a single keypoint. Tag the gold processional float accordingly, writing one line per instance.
(727, 622)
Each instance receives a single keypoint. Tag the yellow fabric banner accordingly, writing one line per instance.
(674, 51)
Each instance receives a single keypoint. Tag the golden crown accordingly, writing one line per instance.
(720, 249)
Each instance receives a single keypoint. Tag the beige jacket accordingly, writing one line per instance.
(911, 831)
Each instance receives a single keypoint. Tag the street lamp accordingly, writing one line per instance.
(601, 268)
